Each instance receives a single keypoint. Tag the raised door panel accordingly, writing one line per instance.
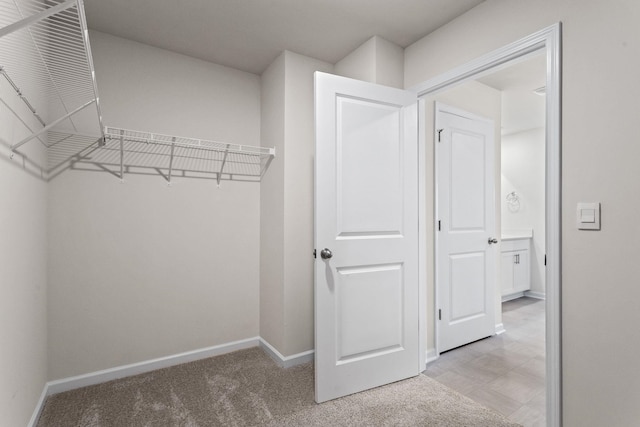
(370, 311)
(369, 167)
(467, 195)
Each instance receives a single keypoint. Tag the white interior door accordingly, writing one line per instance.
(366, 214)
(465, 206)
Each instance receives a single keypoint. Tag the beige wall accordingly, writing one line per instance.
(23, 262)
(359, 64)
(481, 100)
(377, 61)
(299, 192)
(600, 151)
(140, 269)
(272, 206)
(287, 204)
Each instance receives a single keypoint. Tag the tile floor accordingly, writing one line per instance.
(504, 372)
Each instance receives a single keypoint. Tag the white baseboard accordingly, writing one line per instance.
(500, 329)
(98, 377)
(39, 407)
(286, 361)
(432, 355)
(510, 297)
(536, 295)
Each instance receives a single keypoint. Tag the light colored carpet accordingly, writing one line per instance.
(247, 388)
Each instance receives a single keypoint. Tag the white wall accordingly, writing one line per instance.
(23, 261)
(377, 61)
(482, 100)
(523, 171)
(286, 309)
(600, 152)
(140, 270)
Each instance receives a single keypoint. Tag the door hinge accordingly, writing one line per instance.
(438, 225)
(439, 314)
(439, 132)
(314, 253)
(545, 259)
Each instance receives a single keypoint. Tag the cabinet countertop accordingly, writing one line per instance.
(516, 236)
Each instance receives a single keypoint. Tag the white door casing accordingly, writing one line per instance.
(366, 214)
(465, 205)
(550, 40)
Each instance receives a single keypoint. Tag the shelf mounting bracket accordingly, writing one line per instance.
(173, 146)
(122, 155)
(224, 160)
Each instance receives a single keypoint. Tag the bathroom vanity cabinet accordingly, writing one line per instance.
(516, 267)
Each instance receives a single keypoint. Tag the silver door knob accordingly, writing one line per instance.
(493, 240)
(326, 254)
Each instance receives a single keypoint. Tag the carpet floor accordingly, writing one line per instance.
(247, 388)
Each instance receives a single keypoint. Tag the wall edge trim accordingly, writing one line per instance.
(432, 355)
(536, 295)
(97, 377)
(39, 406)
(286, 361)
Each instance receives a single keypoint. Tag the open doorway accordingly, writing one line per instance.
(545, 43)
(501, 365)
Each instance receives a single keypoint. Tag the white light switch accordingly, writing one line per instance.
(589, 216)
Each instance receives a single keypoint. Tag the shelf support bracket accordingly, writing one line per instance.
(122, 155)
(173, 146)
(224, 160)
(21, 96)
(266, 165)
(14, 147)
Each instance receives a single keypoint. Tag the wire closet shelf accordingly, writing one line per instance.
(46, 60)
(189, 157)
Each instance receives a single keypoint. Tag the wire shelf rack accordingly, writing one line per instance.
(128, 150)
(45, 59)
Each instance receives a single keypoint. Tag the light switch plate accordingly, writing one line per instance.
(588, 216)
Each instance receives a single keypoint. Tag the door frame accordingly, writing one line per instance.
(548, 40)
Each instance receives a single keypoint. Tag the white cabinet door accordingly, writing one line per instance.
(515, 268)
(521, 274)
(507, 264)
(366, 215)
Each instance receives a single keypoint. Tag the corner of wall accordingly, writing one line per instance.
(23, 250)
(299, 202)
(389, 63)
(359, 64)
(272, 118)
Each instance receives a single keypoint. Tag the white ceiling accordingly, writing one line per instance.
(522, 109)
(249, 34)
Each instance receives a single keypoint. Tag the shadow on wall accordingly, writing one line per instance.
(22, 161)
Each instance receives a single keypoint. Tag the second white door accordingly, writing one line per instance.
(465, 231)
